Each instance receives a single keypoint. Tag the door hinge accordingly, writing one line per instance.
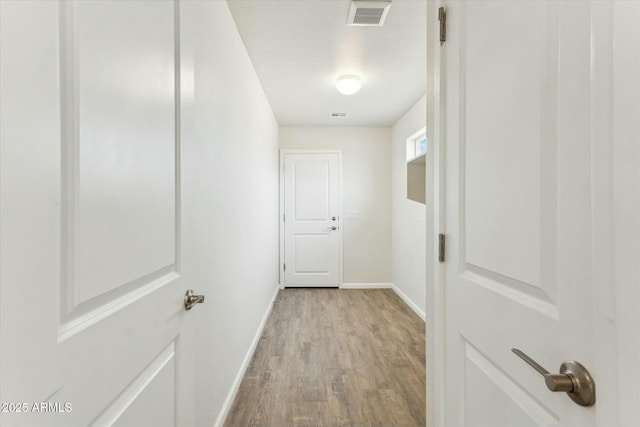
(442, 17)
(282, 217)
(284, 267)
(441, 247)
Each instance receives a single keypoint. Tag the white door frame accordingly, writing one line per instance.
(613, 281)
(283, 152)
(435, 363)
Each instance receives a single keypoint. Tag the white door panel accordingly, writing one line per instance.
(505, 143)
(312, 253)
(518, 203)
(121, 154)
(92, 296)
(311, 190)
(311, 195)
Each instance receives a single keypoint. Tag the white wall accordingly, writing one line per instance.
(366, 189)
(408, 228)
(230, 202)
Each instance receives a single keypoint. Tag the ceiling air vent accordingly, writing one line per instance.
(337, 114)
(368, 13)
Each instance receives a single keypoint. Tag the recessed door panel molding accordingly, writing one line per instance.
(490, 385)
(508, 158)
(528, 296)
(311, 210)
(313, 253)
(119, 156)
(154, 387)
(311, 183)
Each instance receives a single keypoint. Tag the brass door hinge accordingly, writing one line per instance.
(441, 247)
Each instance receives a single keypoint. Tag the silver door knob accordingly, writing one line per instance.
(190, 299)
(574, 379)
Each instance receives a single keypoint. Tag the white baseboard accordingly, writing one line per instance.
(410, 303)
(222, 415)
(366, 286)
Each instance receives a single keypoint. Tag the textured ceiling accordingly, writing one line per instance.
(300, 47)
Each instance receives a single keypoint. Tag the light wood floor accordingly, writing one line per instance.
(330, 357)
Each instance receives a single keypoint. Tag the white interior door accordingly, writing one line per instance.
(311, 221)
(92, 317)
(520, 202)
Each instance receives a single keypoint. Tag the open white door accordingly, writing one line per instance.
(311, 219)
(527, 211)
(93, 325)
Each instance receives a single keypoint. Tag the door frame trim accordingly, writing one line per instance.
(435, 282)
(283, 153)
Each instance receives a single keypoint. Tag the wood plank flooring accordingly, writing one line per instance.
(335, 357)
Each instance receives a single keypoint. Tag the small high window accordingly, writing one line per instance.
(417, 144)
(416, 166)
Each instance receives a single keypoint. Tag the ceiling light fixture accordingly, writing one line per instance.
(349, 84)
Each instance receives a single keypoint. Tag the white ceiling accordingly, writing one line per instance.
(300, 47)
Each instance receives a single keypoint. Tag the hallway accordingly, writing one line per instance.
(173, 172)
(330, 357)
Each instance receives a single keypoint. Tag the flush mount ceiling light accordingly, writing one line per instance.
(349, 84)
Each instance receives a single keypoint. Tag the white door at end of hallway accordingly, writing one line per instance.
(93, 329)
(311, 219)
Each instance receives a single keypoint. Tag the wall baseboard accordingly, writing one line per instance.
(366, 286)
(222, 415)
(409, 302)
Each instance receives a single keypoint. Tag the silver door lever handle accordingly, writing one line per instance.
(190, 299)
(332, 228)
(573, 379)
